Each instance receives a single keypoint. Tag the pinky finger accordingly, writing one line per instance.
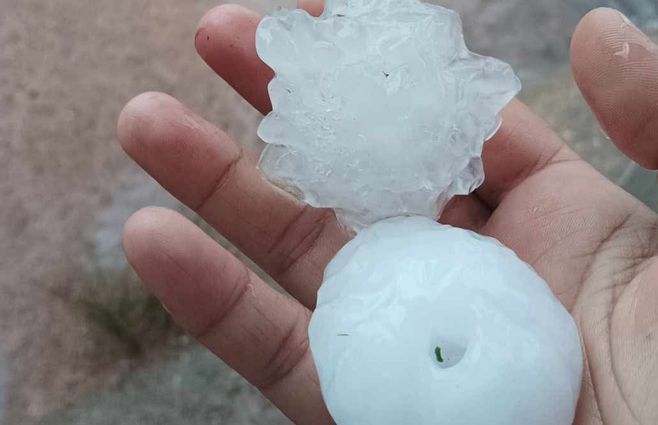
(259, 332)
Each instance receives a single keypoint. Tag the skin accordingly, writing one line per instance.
(594, 244)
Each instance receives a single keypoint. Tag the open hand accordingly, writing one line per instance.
(594, 244)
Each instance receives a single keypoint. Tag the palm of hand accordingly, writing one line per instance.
(594, 244)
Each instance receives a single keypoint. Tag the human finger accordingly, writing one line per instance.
(259, 332)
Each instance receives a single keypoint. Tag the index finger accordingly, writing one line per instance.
(225, 41)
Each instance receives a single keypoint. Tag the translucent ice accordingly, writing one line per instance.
(379, 109)
(423, 324)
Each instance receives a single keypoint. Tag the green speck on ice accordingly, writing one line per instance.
(437, 352)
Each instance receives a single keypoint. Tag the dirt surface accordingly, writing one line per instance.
(66, 69)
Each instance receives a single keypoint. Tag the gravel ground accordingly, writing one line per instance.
(66, 69)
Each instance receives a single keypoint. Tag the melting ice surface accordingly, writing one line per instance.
(379, 109)
(403, 288)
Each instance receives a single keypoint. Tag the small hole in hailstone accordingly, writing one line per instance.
(447, 354)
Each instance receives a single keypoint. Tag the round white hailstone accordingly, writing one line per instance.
(423, 324)
(379, 109)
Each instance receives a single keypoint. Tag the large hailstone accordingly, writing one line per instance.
(423, 324)
(379, 109)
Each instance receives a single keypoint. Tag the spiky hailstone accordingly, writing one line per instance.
(379, 109)
(423, 324)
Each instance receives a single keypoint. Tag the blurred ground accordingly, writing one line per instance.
(67, 67)
(79, 342)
